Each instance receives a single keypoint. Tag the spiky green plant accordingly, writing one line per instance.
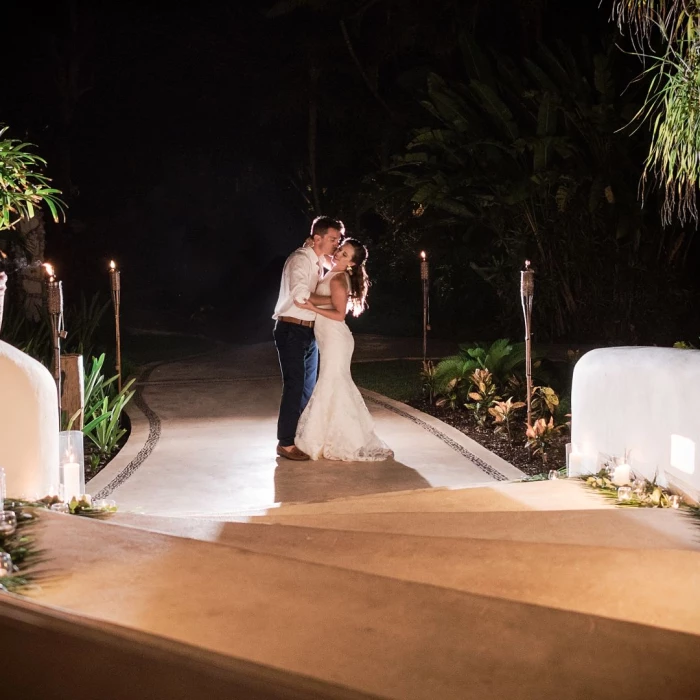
(23, 186)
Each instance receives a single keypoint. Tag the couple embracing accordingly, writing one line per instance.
(322, 414)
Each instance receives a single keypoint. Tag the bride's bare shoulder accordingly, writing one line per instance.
(340, 279)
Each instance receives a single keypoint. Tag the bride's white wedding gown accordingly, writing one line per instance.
(336, 423)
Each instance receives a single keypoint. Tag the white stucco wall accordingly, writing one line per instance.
(28, 424)
(643, 400)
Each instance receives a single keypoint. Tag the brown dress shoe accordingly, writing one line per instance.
(293, 453)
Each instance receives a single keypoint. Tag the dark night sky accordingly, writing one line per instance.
(193, 118)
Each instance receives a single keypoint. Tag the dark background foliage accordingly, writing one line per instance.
(194, 143)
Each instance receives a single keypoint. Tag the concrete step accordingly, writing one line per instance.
(628, 528)
(634, 528)
(541, 574)
(558, 494)
(393, 638)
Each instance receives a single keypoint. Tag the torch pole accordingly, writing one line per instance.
(54, 303)
(116, 287)
(527, 291)
(425, 281)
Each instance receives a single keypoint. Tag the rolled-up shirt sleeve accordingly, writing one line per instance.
(300, 274)
(299, 280)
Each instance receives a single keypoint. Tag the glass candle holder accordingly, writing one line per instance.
(624, 493)
(6, 566)
(553, 474)
(8, 523)
(674, 500)
(71, 464)
(60, 508)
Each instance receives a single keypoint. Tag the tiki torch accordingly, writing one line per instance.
(116, 286)
(54, 303)
(3, 283)
(424, 277)
(527, 292)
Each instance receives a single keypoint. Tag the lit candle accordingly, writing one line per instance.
(575, 462)
(71, 480)
(621, 475)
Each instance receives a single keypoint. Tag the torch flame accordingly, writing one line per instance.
(112, 265)
(527, 264)
(3, 255)
(49, 269)
(422, 254)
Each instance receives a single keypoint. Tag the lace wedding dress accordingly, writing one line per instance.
(336, 423)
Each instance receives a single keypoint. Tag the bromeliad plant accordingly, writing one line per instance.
(503, 413)
(483, 393)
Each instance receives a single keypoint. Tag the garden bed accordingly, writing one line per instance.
(400, 380)
(514, 453)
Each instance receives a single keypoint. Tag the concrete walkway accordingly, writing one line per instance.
(380, 579)
(203, 442)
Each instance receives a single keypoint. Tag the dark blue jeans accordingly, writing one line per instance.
(298, 355)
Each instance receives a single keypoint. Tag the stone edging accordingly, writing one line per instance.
(494, 466)
(154, 431)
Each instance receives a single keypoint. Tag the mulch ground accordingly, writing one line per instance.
(515, 453)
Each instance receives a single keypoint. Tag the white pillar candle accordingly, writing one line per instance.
(71, 480)
(621, 475)
(575, 463)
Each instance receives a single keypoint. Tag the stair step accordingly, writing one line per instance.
(628, 528)
(393, 638)
(540, 574)
(558, 494)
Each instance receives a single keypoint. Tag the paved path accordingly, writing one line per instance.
(203, 442)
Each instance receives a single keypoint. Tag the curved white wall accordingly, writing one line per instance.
(28, 424)
(643, 400)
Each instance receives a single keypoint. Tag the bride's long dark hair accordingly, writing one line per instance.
(357, 273)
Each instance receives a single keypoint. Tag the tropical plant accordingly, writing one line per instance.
(501, 358)
(544, 402)
(672, 104)
(483, 393)
(539, 437)
(103, 408)
(106, 429)
(22, 184)
(503, 413)
(450, 395)
(428, 380)
(527, 161)
(82, 321)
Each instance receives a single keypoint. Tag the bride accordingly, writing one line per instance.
(336, 423)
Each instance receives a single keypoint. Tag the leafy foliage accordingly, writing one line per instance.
(483, 394)
(539, 436)
(21, 547)
(22, 184)
(104, 407)
(528, 161)
(503, 413)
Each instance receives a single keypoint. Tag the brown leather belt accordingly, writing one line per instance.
(297, 321)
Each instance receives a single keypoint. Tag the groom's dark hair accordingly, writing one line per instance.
(321, 224)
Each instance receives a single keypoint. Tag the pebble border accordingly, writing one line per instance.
(484, 466)
(154, 432)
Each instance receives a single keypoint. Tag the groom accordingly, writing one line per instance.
(294, 328)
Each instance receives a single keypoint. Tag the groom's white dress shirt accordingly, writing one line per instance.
(300, 276)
